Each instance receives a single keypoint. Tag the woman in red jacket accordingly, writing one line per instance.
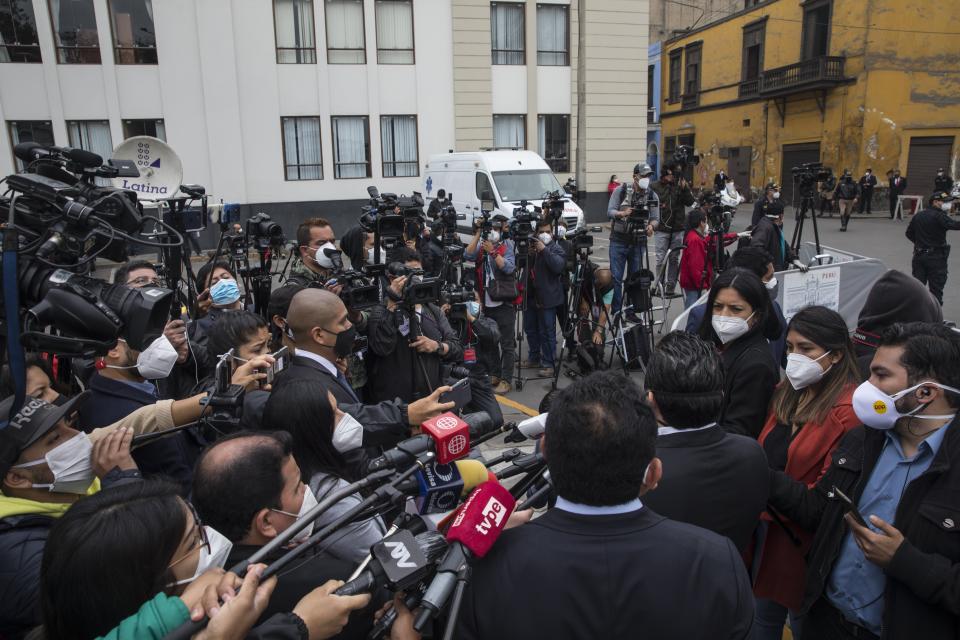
(612, 185)
(809, 414)
(696, 271)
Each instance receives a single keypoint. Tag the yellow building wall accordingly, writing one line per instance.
(905, 71)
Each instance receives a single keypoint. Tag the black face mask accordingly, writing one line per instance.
(344, 344)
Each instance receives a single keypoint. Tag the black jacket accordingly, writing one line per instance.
(713, 479)
(763, 207)
(546, 279)
(897, 190)
(112, 400)
(942, 183)
(384, 424)
(867, 183)
(928, 229)
(847, 189)
(768, 235)
(392, 371)
(616, 577)
(922, 596)
(750, 375)
(673, 201)
(307, 573)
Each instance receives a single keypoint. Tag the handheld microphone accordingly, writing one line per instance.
(533, 427)
(440, 486)
(477, 526)
(522, 464)
(451, 436)
(399, 562)
(403, 455)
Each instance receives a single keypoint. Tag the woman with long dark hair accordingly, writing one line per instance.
(739, 320)
(322, 435)
(810, 412)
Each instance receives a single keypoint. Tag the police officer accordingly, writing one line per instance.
(626, 248)
(769, 205)
(942, 182)
(928, 233)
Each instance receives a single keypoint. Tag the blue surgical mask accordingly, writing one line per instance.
(473, 308)
(224, 292)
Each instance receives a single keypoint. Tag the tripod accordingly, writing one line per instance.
(806, 205)
(573, 310)
(176, 257)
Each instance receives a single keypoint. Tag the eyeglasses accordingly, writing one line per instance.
(201, 537)
(143, 281)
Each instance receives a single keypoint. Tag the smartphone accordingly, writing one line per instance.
(281, 359)
(460, 394)
(849, 506)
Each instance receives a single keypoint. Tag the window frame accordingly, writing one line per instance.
(523, 31)
(759, 26)
(17, 162)
(692, 48)
(413, 35)
(333, 143)
(125, 121)
(276, 36)
(526, 134)
(565, 168)
(675, 79)
(395, 162)
(326, 32)
(33, 48)
(283, 151)
(566, 35)
(117, 49)
(63, 50)
(808, 7)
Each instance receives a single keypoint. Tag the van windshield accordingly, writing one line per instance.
(533, 184)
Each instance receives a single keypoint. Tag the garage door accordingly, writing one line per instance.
(794, 155)
(927, 154)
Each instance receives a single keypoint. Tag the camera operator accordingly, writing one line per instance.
(767, 233)
(768, 205)
(627, 209)
(544, 299)
(408, 344)
(314, 316)
(594, 310)
(312, 265)
(437, 204)
(496, 261)
(675, 194)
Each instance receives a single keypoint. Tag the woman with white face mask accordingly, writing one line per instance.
(327, 446)
(811, 411)
(739, 320)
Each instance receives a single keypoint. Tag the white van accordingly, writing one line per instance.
(511, 176)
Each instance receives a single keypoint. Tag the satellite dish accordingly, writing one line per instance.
(161, 171)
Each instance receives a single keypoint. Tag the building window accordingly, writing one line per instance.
(691, 87)
(553, 35)
(345, 39)
(816, 30)
(398, 137)
(394, 31)
(18, 32)
(134, 40)
(750, 3)
(651, 93)
(37, 131)
(553, 138)
(152, 128)
(675, 80)
(92, 135)
(351, 147)
(302, 159)
(75, 31)
(507, 38)
(510, 131)
(753, 40)
(293, 28)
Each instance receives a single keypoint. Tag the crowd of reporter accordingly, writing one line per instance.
(705, 504)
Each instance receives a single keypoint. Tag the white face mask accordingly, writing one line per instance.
(214, 557)
(644, 183)
(70, 464)
(729, 328)
(494, 236)
(156, 361)
(309, 502)
(771, 284)
(561, 232)
(544, 238)
(803, 371)
(321, 257)
(776, 195)
(348, 434)
(878, 410)
(946, 206)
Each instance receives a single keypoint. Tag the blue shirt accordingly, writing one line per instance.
(145, 386)
(856, 585)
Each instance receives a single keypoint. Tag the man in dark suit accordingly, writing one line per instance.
(898, 185)
(866, 184)
(324, 335)
(713, 479)
(601, 564)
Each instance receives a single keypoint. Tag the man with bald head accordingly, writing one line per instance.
(321, 329)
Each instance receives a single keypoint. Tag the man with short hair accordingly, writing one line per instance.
(928, 233)
(897, 577)
(544, 299)
(601, 564)
(249, 488)
(314, 236)
(942, 181)
(898, 186)
(713, 479)
(769, 205)
(847, 193)
(768, 234)
(626, 248)
(867, 183)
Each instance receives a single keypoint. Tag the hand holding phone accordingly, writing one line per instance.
(459, 394)
(848, 506)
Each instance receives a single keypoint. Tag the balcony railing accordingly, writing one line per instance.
(821, 71)
(750, 87)
(689, 100)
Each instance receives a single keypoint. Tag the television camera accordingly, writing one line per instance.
(685, 156)
(807, 176)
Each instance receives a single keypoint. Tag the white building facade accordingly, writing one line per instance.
(275, 102)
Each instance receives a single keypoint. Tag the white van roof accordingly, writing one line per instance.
(503, 160)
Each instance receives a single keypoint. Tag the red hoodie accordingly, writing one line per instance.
(694, 258)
